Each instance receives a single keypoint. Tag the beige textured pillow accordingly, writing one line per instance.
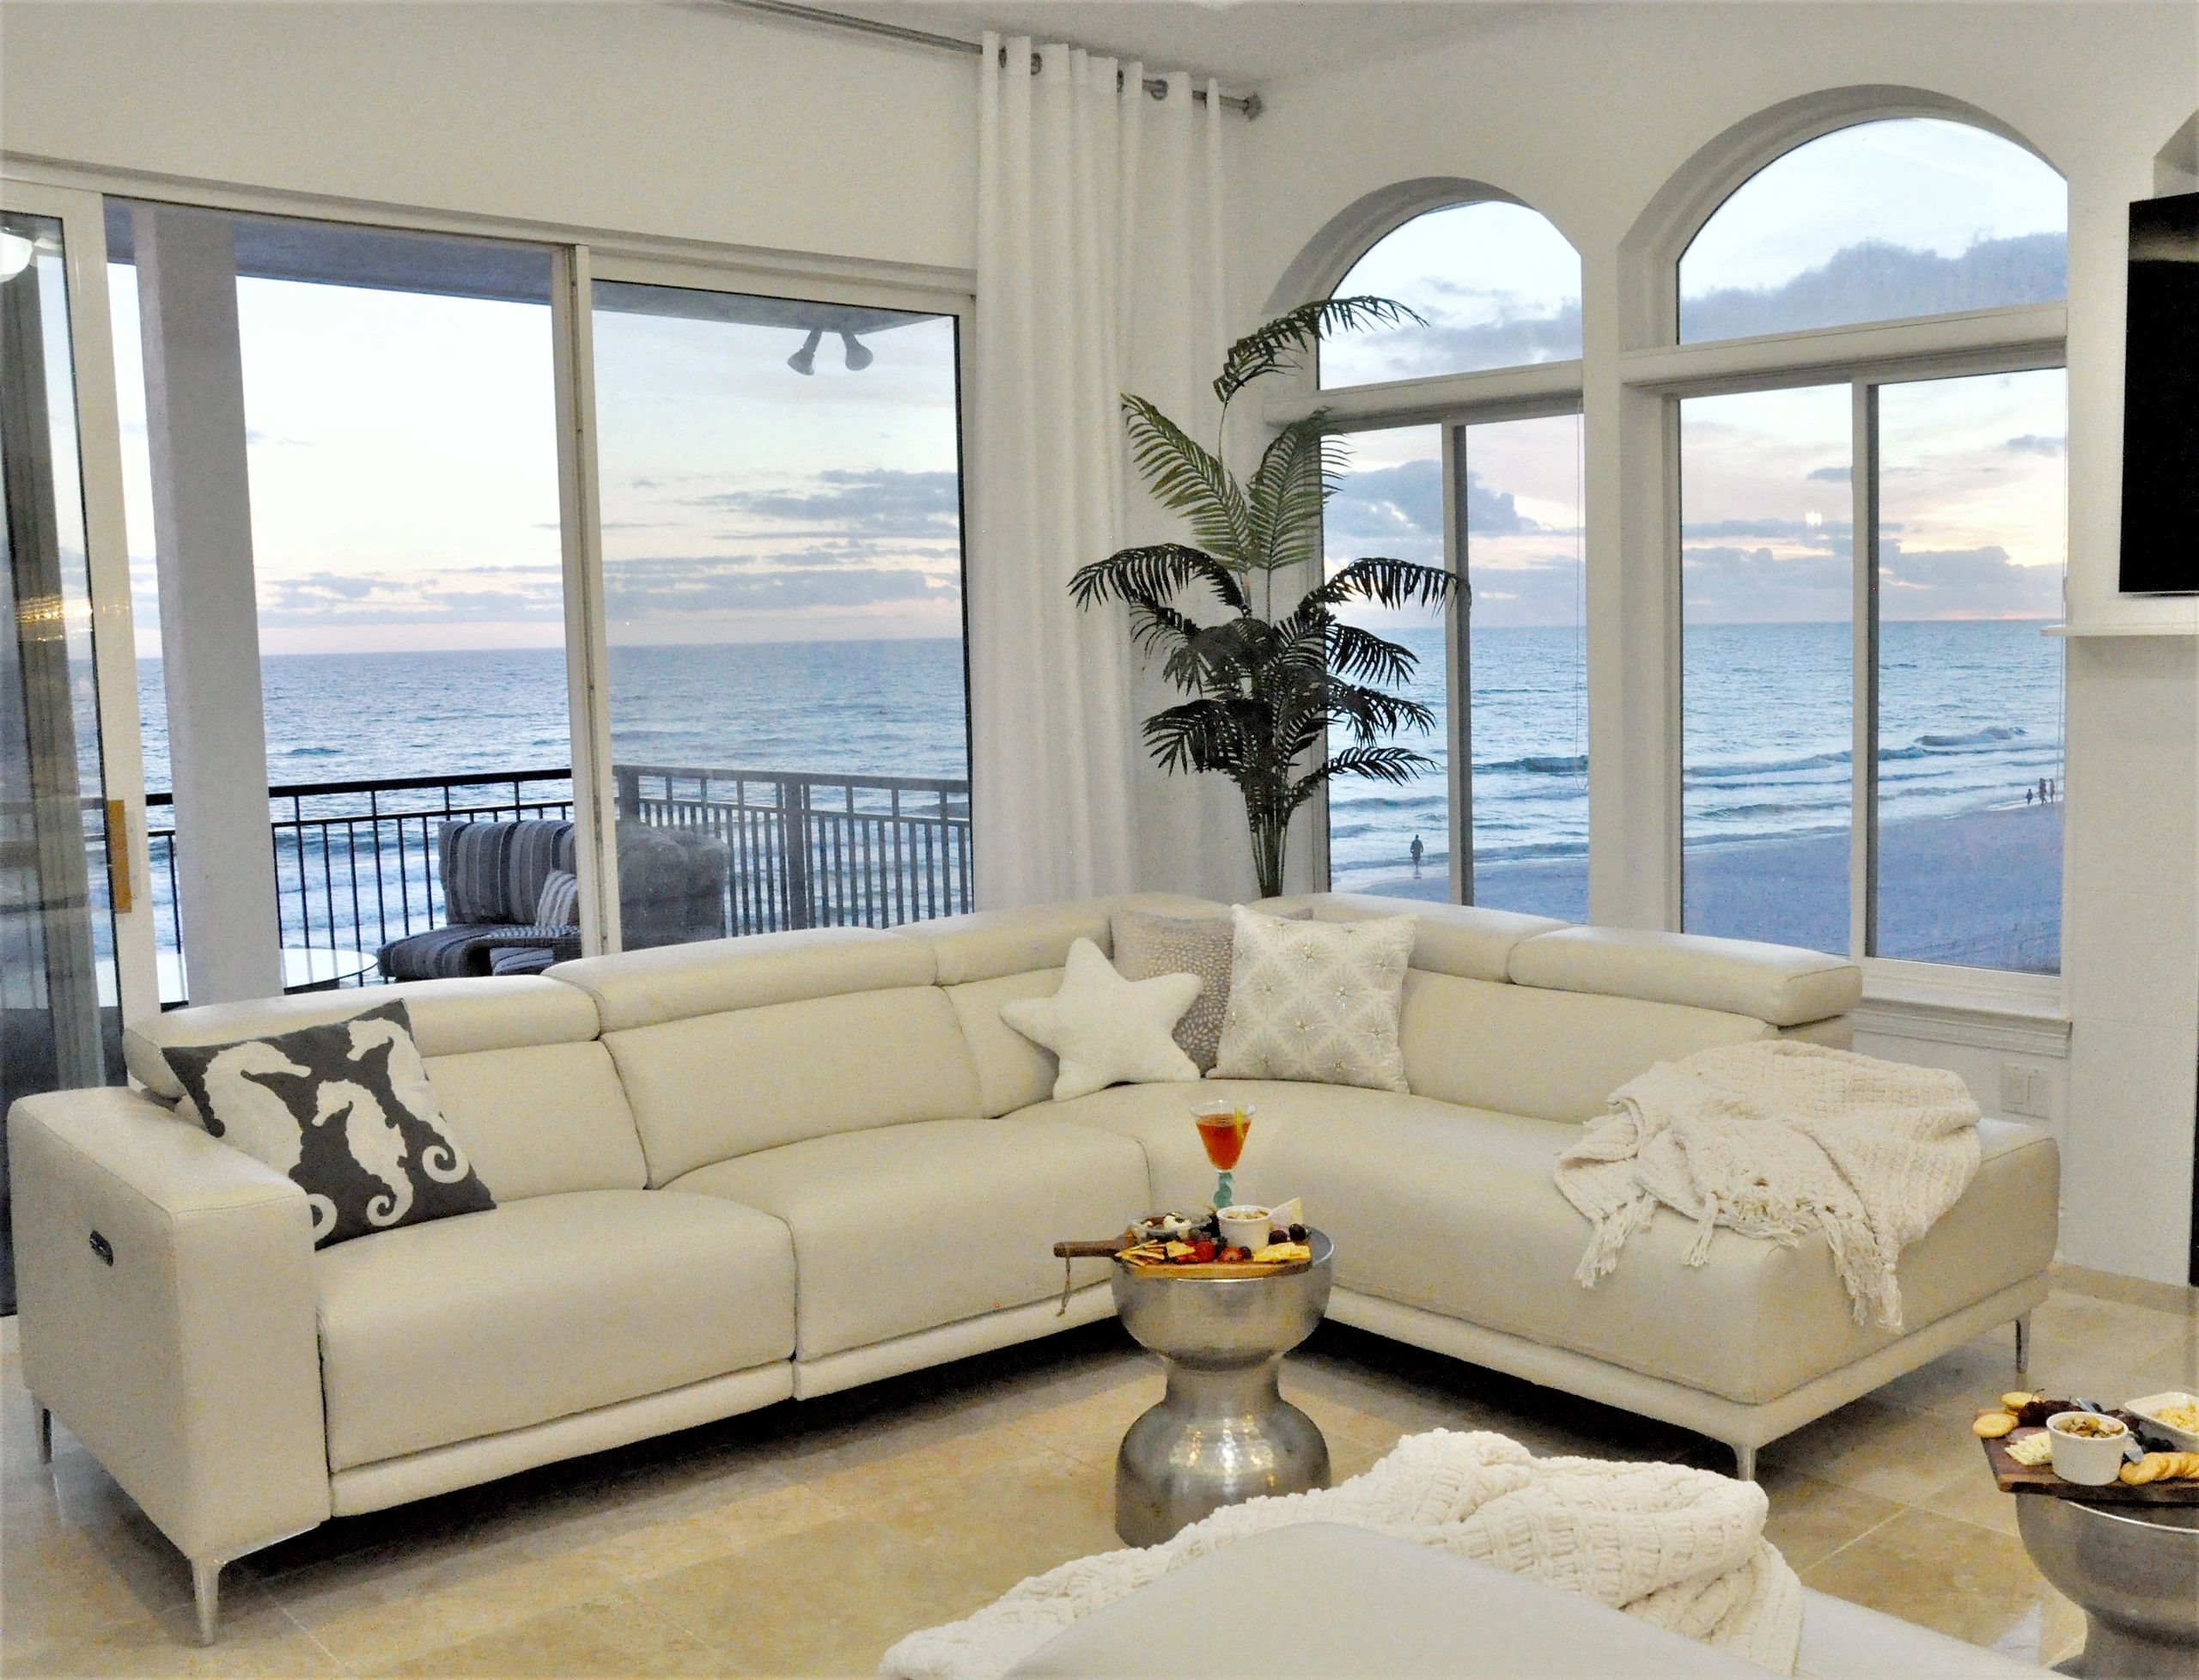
(1149, 944)
(1316, 1000)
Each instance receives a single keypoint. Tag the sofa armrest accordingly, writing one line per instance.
(166, 1289)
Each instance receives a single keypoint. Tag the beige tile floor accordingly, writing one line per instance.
(805, 1539)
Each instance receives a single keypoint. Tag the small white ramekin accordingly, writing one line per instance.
(2090, 1461)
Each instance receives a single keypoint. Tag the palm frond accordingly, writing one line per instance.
(1370, 714)
(1299, 471)
(1154, 624)
(1364, 656)
(1392, 765)
(1385, 581)
(1206, 734)
(1158, 570)
(1279, 343)
(1186, 477)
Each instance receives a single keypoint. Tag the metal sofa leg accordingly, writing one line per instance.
(45, 1434)
(206, 1589)
(2023, 1345)
(1744, 1463)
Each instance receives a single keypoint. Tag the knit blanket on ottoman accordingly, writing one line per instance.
(1682, 1548)
(1778, 1138)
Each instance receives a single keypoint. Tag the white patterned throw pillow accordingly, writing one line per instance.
(1316, 1000)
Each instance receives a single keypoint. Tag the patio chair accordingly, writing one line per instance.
(671, 889)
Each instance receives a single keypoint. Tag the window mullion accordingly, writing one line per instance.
(1457, 654)
(1863, 844)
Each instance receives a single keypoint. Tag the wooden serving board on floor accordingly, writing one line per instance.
(2014, 1478)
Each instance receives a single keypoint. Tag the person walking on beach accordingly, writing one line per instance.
(2042, 790)
(2027, 792)
(1419, 851)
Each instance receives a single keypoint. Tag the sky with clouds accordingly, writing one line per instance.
(402, 463)
(403, 466)
(1876, 221)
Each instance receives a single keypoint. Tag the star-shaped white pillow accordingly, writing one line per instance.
(1106, 1029)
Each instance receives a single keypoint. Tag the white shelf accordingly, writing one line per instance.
(2188, 625)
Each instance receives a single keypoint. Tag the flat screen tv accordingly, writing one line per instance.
(2160, 404)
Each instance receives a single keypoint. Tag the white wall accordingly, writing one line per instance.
(678, 121)
(1584, 113)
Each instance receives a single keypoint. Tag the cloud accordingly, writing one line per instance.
(1544, 590)
(1834, 536)
(1877, 280)
(264, 440)
(677, 586)
(2032, 443)
(877, 502)
(1724, 583)
(1399, 510)
(1832, 475)
(483, 595)
(1515, 336)
(1964, 583)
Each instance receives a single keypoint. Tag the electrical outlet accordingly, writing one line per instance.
(2023, 1090)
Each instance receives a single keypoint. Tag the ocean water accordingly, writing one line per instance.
(1970, 716)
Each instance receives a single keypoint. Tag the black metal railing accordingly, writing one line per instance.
(357, 863)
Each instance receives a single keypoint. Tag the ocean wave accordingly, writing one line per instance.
(1988, 736)
(1539, 764)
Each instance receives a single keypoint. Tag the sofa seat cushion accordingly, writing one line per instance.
(541, 1308)
(902, 1228)
(1456, 1213)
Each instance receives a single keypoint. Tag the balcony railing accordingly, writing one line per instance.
(356, 862)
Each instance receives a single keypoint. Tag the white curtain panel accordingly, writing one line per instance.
(1099, 271)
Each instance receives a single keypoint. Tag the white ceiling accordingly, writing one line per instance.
(1243, 42)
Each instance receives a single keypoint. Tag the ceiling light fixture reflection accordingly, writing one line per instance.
(804, 360)
(859, 356)
(15, 254)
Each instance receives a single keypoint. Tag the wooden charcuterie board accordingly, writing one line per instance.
(1214, 1268)
(2014, 1478)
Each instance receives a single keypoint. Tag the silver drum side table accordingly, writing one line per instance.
(1223, 1433)
(2134, 1570)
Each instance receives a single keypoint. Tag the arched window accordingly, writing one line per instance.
(1872, 738)
(1881, 221)
(1499, 285)
(1460, 479)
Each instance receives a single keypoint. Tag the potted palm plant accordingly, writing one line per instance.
(1281, 703)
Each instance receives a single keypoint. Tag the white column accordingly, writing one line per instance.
(1633, 630)
(210, 623)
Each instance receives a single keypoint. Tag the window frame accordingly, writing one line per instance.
(1452, 402)
(579, 256)
(1658, 374)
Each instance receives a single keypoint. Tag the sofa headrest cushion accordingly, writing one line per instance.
(1781, 984)
(449, 1018)
(1464, 939)
(987, 944)
(670, 983)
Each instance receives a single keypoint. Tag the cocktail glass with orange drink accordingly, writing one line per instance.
(1222, 1126)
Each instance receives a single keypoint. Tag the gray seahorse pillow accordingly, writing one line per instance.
(345, 1110)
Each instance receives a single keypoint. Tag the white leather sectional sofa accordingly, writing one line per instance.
(732, 1172)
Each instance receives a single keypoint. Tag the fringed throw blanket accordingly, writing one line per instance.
(1681, 1548)
(1778, 1138)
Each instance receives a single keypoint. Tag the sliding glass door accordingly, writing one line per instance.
(782, 552)
(67, 907)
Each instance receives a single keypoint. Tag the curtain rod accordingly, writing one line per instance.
(1247, 103)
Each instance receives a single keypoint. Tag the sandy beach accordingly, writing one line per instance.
(1983, 888)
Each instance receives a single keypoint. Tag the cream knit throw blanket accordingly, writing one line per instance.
(1778, 1138)
(1682, 1548)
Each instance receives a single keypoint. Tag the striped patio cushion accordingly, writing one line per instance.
(559, 905)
